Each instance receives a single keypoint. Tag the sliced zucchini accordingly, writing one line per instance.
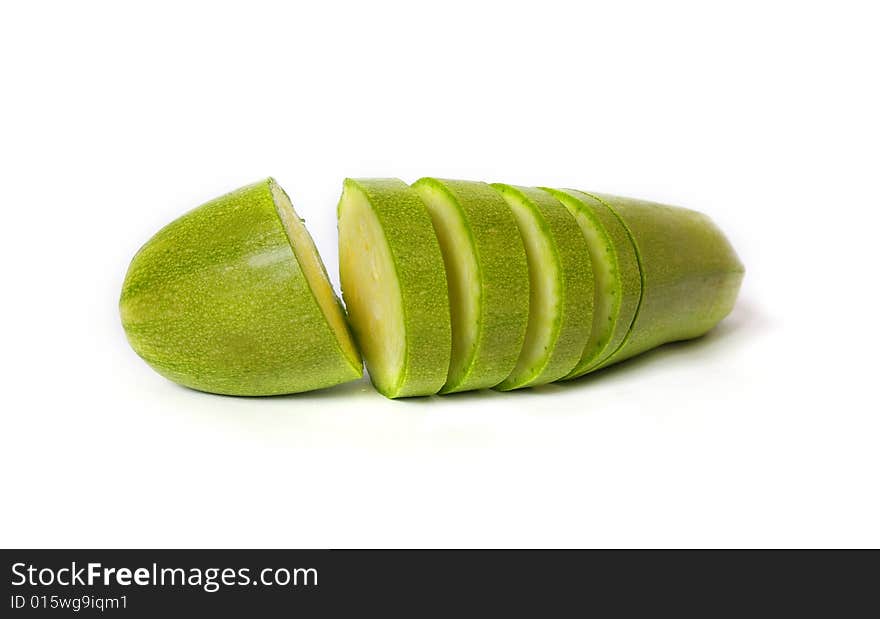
(394, 286)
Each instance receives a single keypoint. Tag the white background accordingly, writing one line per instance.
(117, 117)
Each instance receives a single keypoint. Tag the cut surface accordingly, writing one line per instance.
(371, 290)
(616, 275)
(394, 286)
(487, 275)
(561, 288)
(314, 271)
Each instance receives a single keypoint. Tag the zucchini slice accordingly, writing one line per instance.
(394, 286)
(488, 280)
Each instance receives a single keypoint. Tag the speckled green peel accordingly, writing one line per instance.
(488, 280)
(218, 301)
(690, 273)
(618, 285)
(561, 288)
(394, 286)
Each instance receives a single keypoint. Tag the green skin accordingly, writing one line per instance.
(217, 301)
(573, 316)
(421, 277)
(501, 289)
(690, 273)
(625, 288)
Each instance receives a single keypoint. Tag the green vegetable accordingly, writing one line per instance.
(450, 286)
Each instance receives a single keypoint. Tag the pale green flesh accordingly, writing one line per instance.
(606, 300)
(314, 271)
(487, 274)
(394, 285)
(372, 292)
(545, 294)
